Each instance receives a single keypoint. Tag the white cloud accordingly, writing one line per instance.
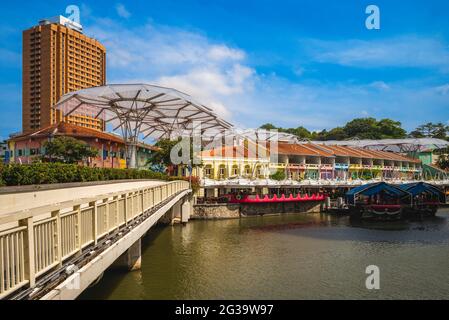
(222, 52)
(443, 90)
(380, 85)
(404, 51)
(218, 75)
(177, 58)
(122, 11)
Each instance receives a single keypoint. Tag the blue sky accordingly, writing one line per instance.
(310, 63)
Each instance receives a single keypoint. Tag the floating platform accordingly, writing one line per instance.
(276, 199)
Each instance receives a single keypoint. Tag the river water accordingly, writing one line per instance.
(300, 256)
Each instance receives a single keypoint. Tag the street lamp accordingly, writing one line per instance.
(190, 168)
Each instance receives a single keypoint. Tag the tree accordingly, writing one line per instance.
(361, 128)
(337, 133)
(443, 161)
(160, 158)
(390, 129)
(268, 126)
(68, 150)
(161, 154)
(300, 131)
(431, 130)
(279, 175)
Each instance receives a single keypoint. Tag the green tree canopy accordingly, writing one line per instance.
(279, 175)
(361, 128)
(161, 156)
(431, 130)
(300, 131)
(68, 150)
(443, 162)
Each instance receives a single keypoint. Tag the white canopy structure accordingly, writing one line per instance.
(267, 135)
(143, 110)
(396, 145)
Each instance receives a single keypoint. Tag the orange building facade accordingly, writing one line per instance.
(58, 59)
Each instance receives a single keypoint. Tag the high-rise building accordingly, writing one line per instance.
(58, 58)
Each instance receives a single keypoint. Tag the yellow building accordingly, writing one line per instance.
(57, 59)
(233, 162)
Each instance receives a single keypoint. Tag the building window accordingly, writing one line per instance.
(208, 172)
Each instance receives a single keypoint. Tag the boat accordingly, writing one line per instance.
(275, 198)
(426, 198)
(378, 201)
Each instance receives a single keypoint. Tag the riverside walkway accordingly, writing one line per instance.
(54, 243)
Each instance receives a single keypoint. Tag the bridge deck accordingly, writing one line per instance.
(41, 231)
(17, 201)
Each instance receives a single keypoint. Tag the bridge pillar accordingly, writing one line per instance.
(173, 215)
(131, 260)
(186, 211)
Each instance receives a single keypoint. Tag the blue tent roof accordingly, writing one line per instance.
(420, 187)
(375, 188)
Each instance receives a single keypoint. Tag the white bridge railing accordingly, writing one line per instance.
(35, 241)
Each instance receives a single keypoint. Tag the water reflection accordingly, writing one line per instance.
(300, 256)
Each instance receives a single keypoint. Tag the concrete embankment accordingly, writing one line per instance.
(232, 211)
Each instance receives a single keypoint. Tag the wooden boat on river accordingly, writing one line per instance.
(378, 201)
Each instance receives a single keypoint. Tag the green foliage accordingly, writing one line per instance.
(443, 162)
(48, 173)
(431, 130)
(278, 175)
(299, 131)
(68, 150)
(161, 156)
(361, 128)
(2, 182)
(370, 174)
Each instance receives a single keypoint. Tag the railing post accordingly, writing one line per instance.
(117, 213)
(143, 201)
(106, 215)
(125, 213)
(30, 271)
(131, 205)
(56, 214)
(94, 220)
(78, 228)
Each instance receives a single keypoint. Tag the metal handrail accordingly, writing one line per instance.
(32, 248)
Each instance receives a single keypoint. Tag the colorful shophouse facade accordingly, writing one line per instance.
(26, 148)
(308, 161)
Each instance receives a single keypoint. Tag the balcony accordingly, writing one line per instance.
(297, 166)
(326, 166)
(278, 165)
(341, 166)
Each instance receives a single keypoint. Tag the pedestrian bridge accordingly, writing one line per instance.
(56, 243)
